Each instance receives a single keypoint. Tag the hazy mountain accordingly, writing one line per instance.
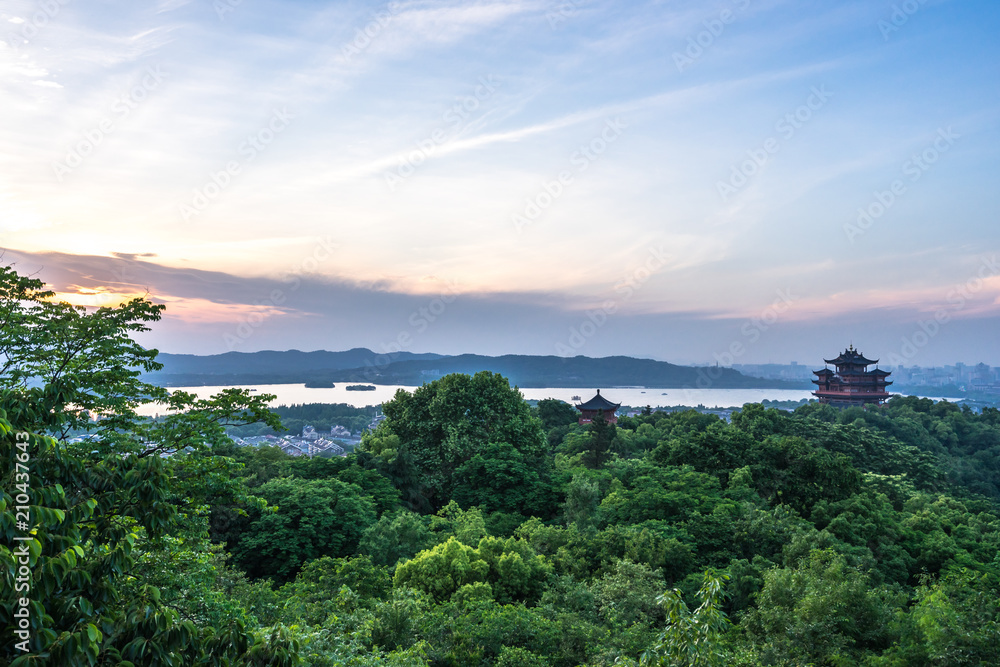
(363, 365)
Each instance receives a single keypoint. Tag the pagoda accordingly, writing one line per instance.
(589, 410)
(852, 383)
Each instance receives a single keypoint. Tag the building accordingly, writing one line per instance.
(852, 383)
(376, 420)
(589, 410)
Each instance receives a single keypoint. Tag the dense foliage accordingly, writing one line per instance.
(470, 529)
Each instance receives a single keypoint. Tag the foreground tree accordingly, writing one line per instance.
(691, 638)
(94, 508)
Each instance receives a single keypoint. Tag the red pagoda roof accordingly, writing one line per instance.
(851, 356)
(598, 403)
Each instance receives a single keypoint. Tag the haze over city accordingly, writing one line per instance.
(738, 181)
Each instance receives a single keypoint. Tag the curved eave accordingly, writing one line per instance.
(607, 408)
(841, 359)
(598, 403)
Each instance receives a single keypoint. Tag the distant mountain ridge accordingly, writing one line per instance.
(272, 361)
(406, 368)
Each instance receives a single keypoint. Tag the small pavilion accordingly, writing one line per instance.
(589, 410)
(852, 383)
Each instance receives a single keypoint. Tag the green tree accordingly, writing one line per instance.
(954, 621)
(466, 526)
(396, 537)
(312, 519)
(628, 593)
(600, 434)
(692, 638)
(582, 499)
(516, 572)
(823, 612)
(442, 570)
(311, 597)
(93, 597)
(445, 423)
(500, 479)
(555, 413)
(515, 656)
(510, 567)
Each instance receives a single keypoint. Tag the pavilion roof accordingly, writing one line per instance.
(851, 356)
(598, 402)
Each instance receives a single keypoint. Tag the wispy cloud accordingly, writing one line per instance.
(358, 114)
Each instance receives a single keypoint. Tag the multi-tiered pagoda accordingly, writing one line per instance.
(598, 404)
(852, 383)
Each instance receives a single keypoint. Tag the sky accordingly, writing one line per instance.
(732, 181)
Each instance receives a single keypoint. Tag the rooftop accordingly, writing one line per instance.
(598, 402)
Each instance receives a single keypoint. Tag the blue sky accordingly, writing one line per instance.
(677, 180)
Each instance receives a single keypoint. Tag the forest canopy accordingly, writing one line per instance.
(472, 529)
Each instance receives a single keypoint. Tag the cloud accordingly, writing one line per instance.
(408, 26)
(133, 255)
(211, 312)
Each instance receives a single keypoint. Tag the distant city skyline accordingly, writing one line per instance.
(733, 181)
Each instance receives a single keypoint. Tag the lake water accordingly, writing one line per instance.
(288, 394)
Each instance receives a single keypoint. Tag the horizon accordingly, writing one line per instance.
(733, 181)
(792, 362)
